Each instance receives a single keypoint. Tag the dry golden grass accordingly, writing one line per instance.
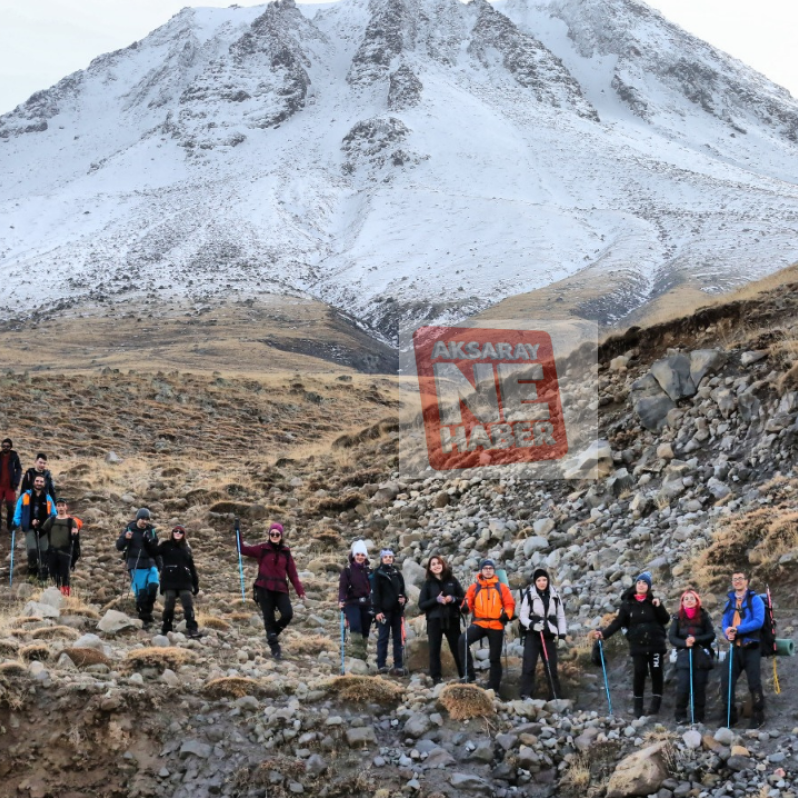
(311, 645)
(83, 657)
(464, 701)
(212, 622)
(238, 617)
(757, 538)
(55, 632)
(367, 689)
(9, 648)
(11, 670)
(160, 657)
(37, 651)
(231, 687)
(577, 777)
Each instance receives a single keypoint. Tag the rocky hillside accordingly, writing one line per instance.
(306, 150)
(699, 420)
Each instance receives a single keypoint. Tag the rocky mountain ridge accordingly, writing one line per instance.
(308, 150)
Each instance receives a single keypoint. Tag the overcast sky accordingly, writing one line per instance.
(42, 41)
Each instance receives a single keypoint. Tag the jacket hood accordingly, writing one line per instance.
(491, 580)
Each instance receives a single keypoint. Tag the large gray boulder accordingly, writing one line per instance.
(641, 773)
(114, 621)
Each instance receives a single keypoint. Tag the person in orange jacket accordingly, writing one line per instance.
(492, 606)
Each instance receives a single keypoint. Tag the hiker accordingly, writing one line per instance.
(743, 618)
(63, 544)
(39, 469)
(10, 474)
(178, 578)
(492, 605)
(542, 617)
(354, 599)
(440, 599)
(388, 599)
(644, 618)
(275, 567)
(33, 508)
(691, 634)
(141, 566)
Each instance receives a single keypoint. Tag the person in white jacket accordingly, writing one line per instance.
(542, 618)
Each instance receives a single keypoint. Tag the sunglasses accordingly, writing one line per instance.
(275, 534)
(178, 532)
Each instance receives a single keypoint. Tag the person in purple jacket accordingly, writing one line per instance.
(354, 599)
(275, 568)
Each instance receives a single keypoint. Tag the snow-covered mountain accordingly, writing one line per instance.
(400, 159)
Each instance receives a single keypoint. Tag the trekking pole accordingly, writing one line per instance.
(729, 697)
(692, 704)
(604, 670)
(240, 562)
(343, 642)
(13, 540)
(548, 664)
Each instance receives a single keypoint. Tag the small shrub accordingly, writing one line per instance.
(365, 689)
(11, 670)
(464, 701)
(52, 632)
(213, 622)
(231, 687)
(37, 651)
(310, 644)
(83, 657)
(160, 657)
(8, 648)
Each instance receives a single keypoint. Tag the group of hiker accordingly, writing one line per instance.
(364, 596)
(379, 596)
(52, 535)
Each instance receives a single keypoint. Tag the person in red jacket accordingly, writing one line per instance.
(275, 568)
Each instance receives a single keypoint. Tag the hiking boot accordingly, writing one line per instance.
(400, 671)
(731, 719)
(757, 710)
(195, 634)
(383, 669)
(166, 628)
(638, 707)
(656, 703)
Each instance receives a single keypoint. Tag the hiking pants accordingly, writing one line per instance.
(748, 659)
(37, 554)
(8, 496)
(495, 640)
(533, 650)
(700, 678)
(391, 627)
(186, 599)
(60, 562)
(358, 616)
(145, 589)
(644, 664)
(271, 602)
(436, 631)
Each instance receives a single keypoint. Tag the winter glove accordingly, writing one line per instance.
(504, 617)
(561, 644)
(195, 591)
(539, 626)
(441, 598)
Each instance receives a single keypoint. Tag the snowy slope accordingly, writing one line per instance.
(401, 159)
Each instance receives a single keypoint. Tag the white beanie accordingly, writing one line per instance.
(359, 547)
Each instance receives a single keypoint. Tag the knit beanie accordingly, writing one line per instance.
(644, 577)
(386, 553)
(278, 527)
(359, 547)
(488, 562)
(540, 572)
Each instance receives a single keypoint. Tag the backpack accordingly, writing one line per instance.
(522, 632)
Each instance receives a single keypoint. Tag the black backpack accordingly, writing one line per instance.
(767, 634)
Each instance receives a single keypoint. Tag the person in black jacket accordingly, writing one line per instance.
(440, 599)
(354, 599)
(39, 470)
(178, 578)
(141, 566)
(644, 618)
(691, 633)
(388, 601)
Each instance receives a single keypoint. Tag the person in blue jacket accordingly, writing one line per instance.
(743, 618)
(34, 507)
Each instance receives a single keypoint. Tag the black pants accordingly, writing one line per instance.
(60, 561)
(272, 601)
(700, 678)
(437, 629)
(169, 601)
(391, 627)
(644, 664)
(359, 618)
(748, 659)
(533, 650)
(10, 509)
(495, 640)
